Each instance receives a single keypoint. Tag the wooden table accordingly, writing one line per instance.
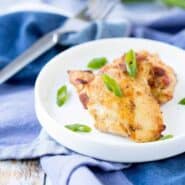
(22, 173)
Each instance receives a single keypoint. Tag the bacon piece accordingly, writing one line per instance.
(166, 81)
(158, 71)
(80, 78)
(84, 99)
(81, 81)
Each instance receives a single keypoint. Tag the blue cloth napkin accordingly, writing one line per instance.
(20, 134)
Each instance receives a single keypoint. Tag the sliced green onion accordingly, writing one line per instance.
(97, 63)
(78, 128)
(131, 64)
(62, 95)
(168, 136)
(182, 102)
(112, 85)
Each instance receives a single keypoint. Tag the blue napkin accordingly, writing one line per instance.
(20, 134)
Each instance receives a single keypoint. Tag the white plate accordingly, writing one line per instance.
(97, 144)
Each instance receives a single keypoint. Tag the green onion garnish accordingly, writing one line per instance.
(78, 128)
(131, 64)
(112, 85)
(97, 63)
(62, 95)
(182, 102)
(168, 136)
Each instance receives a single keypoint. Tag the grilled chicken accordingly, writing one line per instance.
(137, 113)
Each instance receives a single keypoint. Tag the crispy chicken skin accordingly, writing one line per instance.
(136, 114)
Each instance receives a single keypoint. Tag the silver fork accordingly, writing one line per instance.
(95, 9)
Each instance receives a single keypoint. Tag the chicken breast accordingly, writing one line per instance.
(137, 113)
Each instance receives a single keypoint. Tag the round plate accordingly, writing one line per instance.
(97, 144)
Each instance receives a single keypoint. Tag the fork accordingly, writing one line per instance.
(95, 9)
